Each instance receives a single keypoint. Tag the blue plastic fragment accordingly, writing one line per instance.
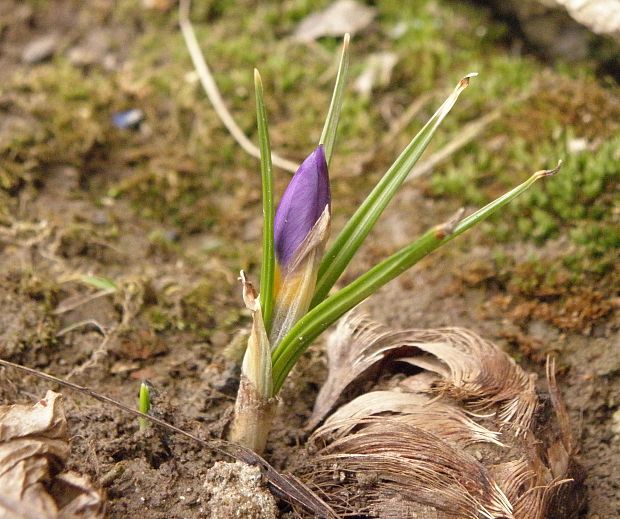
(128, 119)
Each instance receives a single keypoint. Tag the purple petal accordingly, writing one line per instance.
(301, 206)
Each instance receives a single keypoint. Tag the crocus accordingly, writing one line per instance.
(301, 229)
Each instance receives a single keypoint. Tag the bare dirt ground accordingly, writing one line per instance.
(172, 230)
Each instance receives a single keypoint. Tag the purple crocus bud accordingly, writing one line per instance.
(301, 206)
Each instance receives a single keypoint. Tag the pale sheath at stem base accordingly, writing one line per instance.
(255, 404)
(253, 417)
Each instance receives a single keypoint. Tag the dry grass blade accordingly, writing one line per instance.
(466, 135)
(213, 93)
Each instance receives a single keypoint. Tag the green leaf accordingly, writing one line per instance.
(316, 321)
(360, 224)
(267, 273)
(99, 282)
(144, 404)
(328, 136)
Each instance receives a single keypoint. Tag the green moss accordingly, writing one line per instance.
(60, 117)
(185, 171)
(39, 289)
(580, 200)
(201, 310)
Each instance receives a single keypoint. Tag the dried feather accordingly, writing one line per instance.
(440, 418)
(512, 477)
(411, 463)
(480, 375)
(472, 370)
(352, 350)
(357, 349)
(556, 491)
(400, 452)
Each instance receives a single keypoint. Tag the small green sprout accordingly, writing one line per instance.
(294, 305)
(144, 404)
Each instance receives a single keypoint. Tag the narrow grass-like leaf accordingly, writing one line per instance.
(310, 326)
(99, 282)
(144, 404)
(268, 265)
(328, 136)
(360, 224)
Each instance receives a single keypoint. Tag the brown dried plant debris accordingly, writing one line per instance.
(414, 464)
(34, 446)
(415, 409)
(468, 368)
(466, 436)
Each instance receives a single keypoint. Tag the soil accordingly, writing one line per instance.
(174, 315)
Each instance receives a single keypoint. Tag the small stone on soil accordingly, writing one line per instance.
(236, 490)
(40, 49)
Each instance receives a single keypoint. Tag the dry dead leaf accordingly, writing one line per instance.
(377, 72)
(34, 447)
(341, 17)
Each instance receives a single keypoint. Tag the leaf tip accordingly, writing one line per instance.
(464, 83)
(250, 296)
(548, 172)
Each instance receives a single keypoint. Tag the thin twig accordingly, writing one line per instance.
(285, 486)
(213, 93)
(73, 303)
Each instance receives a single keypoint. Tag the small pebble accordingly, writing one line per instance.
(40, 49)
(172, 235)
(100, 218)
